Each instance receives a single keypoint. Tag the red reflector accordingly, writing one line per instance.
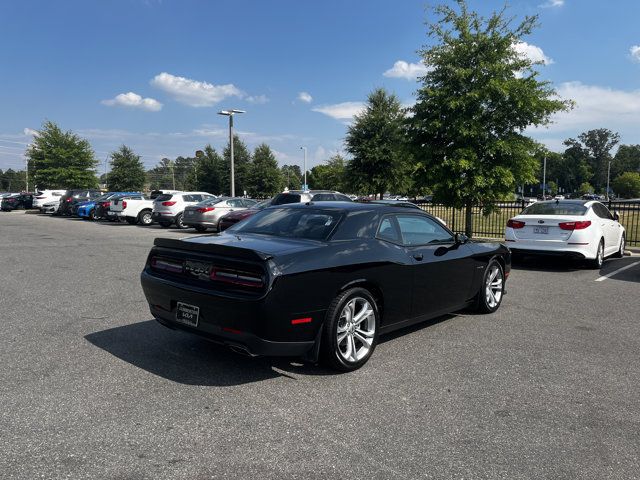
(206, 209)
(298, 321)
(515, 224)
(231, 330)
(167, 204)
(581, 225)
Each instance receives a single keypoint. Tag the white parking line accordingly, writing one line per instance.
(615, 272)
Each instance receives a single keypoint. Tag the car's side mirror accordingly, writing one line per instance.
(460, 238)
(616, 216)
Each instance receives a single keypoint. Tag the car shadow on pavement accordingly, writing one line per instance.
(548, 264)
(191, 360)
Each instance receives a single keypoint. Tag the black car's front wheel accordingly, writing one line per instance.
(492, 289)
(350, 331)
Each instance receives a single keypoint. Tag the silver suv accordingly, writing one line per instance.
(168, 208)
(304, 196)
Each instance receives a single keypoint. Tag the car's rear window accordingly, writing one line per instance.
(313, 224)
(164, 197)
(555, 208)
(284, 198)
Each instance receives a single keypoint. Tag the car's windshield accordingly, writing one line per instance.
(284, 198)
(213, 201)
(555, 208)
(313, 224)
(262, 205)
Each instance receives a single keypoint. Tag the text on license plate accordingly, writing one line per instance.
(543, 230)
(187, 314)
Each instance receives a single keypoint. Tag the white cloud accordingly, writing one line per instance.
(320, 154)
(406, 70)
(635, 52)
(552, 4)
(194, 93)
(30, 132)
(596, 107)
(305, 97)
(257, 99)
(133, 100)
(532, 52)
(341, 111)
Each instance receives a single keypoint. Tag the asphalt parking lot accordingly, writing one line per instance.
(92, 387)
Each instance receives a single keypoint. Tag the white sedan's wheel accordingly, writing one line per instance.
(597, 262)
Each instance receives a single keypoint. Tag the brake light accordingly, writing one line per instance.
(580, 225)
(236, 277)
(515, 224)
(168, 204)
(124, 204)
(69, 199)
(164, 264)
(206, 209)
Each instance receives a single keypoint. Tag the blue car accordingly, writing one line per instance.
(87, 210)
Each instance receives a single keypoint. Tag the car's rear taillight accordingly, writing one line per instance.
(124, 204)
(69, 199)
(206, 209)
(515, 224)
(236, 277)
(168, 204)
(166, 265)
(105, 204)
(580, 225)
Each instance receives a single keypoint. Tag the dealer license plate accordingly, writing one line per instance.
(187, 314)
(543, 230)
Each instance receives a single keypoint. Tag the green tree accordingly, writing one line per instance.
(208, 172)
(595, 149)
(330, 175)
(552, 188)
(575, 166)
(60, 159)
(585, 188)
(241, 160)
(292, 175)
(127, 171)
(627, 159)
(264, 177)
(627, 185)
(161, 176)
(377, 143)
(12, 181)
(475, 102)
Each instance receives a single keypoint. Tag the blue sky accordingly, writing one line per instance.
(152, 74)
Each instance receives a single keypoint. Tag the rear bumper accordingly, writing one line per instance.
(199, 223)
(243, 324)
(158, 217)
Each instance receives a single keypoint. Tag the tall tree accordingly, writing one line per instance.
(12, 181)
(576, 166)
(595, 147)
(292, 175)
(59, 159)
(627, 185)
(377, 143)
(127, 171)
(627, 159)
(476, 100)
(241, 160)
(330, 175)
(209, 171)
(264, 177)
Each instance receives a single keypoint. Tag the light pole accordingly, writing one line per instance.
(304, 187)
(230, 114)
(544, 179)
(608, 177)
(26, 172)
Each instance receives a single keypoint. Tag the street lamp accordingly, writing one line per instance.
(304, 187)
(230, 114)
(608, 177)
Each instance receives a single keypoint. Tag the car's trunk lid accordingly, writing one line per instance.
(544, 227)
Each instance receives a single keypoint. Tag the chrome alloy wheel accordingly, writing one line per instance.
(356, 329)
(493, 286)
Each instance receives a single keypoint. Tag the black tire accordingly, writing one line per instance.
(200, 228)
(179, 223)
(131, 220)
(596, 263)
(489, 297)
(92, 214)
(623, 244)
(165, 224)
(331, 353)
(144, 218)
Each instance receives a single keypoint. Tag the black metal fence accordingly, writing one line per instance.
(493, 224)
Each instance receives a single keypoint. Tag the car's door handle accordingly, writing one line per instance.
(418, 256)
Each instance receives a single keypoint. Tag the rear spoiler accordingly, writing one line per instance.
(223, 250)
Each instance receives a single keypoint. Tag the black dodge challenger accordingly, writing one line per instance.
(321, 281)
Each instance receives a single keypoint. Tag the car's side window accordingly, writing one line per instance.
(422, 230)
(234, 203)
(388, 231)
(189, 198)
(601, 211)
(322, 197)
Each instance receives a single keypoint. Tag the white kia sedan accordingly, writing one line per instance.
(583, 229)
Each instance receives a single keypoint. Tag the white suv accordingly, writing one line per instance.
(46, 197)
(169, 208)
